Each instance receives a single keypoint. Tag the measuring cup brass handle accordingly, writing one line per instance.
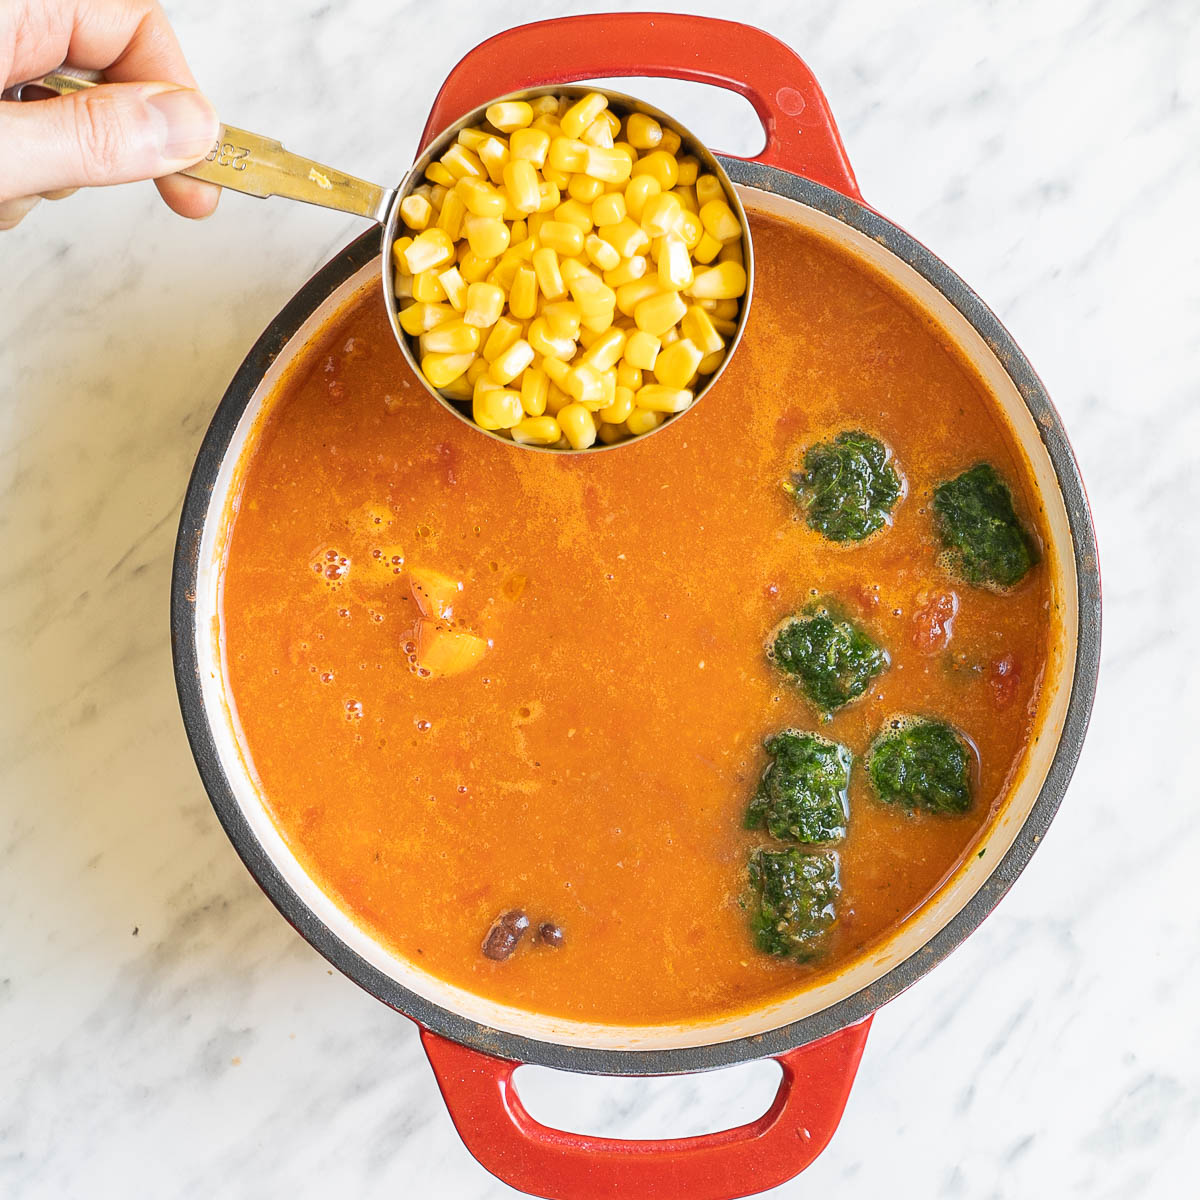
(253, 164)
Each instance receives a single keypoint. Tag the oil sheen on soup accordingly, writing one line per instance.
(593, 768)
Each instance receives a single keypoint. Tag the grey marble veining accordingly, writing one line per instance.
(166, 1034)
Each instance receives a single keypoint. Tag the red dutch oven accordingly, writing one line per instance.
(474, 1046)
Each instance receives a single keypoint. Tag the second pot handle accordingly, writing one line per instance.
(535, 1158)
(801, 134)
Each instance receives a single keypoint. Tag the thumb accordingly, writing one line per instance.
(108, 134)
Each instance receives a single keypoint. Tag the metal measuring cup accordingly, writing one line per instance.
(259, 166)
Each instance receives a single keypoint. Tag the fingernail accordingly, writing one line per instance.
(187, 124)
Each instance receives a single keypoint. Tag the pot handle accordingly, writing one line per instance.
(498, 1130)
(801, 134)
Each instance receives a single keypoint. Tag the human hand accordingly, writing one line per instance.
(131, 128)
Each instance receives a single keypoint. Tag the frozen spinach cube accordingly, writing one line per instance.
(848, 487)
(802, 795)
(921, 764)
(980, 530)
(793, 894)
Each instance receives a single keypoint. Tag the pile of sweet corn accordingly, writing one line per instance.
(568, 274)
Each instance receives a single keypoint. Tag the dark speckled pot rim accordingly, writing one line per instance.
(845, 1012)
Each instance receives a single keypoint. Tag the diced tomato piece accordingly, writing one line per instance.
(933, 621)
(1004, 678)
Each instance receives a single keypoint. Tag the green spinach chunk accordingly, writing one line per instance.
(793, 894)
(802, 795)
(829, 658)
(921, 764)
(848, 486)
(980, 529)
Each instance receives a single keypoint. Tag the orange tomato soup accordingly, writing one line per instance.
(594, 768)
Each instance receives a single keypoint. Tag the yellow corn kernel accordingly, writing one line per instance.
(457, 389)
(626, 238)
(563, 238)
(708, 189)
(706, 249)
(611, 119)
(723, 327)
(601, 253)
(509, 115)
(587, 338)
(480, 198)
(577, 425)
(608, 209)
(660, 165)
(455, 288)
(430, 248)
(589, 291)
(689, 170)
(656, 314)
(641, 350)
(520, 234)
(402, 284)
(610, 434)
(494, 156)
(549, 277)
(416, 319)
(497, 408)
(661, 214)
(523, 295)
(442, 369)
(626, 149)
(562, 318)
(416, 211)
(485, 303)
(655, 397)
(598, 133)
(474, 268)
(626, 271)
(544, 104)
(504, 333)
(549, 345)
(608, 389)
(427, 287)
(710, 362)
(451, 337)
(629, 376)
(642, 132)
(529, 145)
(476, 371)
(436, 173)
(584, 384)
(582, 113)
(553, 175)
(450, 218)
(473, 138)
(690, 229)
(557, 370)
(725, 281)
(521, 184)
(672, 335)
(549, 196)
(536, 431)
(399, 249)
(556, 398)
(487, 236)
(671, 141)
(535, 383)
(620, 408)
(677, 364)
(721, 221)
(437, 194)
(630, 295)
(642, 420)
(605, 350)
(598, 319)
(585, 189)
(732, 252)
(727, 310)
(567, 155)
(697, 326)
(507, 366)
(674, 262)
(637, 191)
(461, 162)
(687, 197)
(572, 212)
(610, 166)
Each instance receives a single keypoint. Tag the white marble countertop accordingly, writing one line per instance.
(166, 1034)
